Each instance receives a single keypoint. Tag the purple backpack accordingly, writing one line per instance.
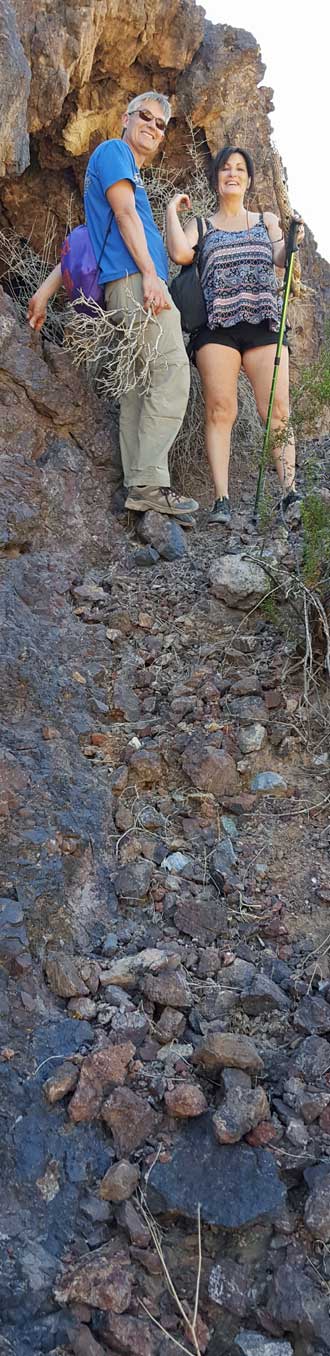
(79, 267)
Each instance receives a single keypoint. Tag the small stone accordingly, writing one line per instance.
(129, 1026)
(129, 1219)
(131, 1119)
(82, 1007)
(317, 1210)
(103, 1281)
(64, 976)
(201, 918)
(296, 1132)
(263, 995)
(119, 780)
(163, 534)
(229, 826)
(256, 1344)
(119, 1182)
(252, 738)
(221, 1049)
(146, 767)
(132, 883)
(176, 861)
(312, 1105)
(249, 710)
(129, 1335)
(240, 1112)
(312, 1015)
(123, 972)
(64, 1080)
(100, 1071)
(325, 1121)
(84, 1344)
(221, 864)
(169, 990)
(171, 1025)
(269, 783)
(230, 1287)
(209, 768)
(312, 1058)
(263, 1134)
(186, 1099)
(145, 556)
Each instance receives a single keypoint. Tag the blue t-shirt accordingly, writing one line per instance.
(109, 163)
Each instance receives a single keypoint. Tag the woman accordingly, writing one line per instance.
(239, 251)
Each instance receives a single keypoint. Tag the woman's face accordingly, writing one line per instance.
(233, 177)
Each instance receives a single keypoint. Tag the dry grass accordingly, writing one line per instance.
(25, 270)
(118, 355)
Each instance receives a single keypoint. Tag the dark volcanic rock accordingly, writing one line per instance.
(297, 1304)
(235, 1185)
(312, 1058)
(162, 534)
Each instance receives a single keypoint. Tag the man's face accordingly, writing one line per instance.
(145, 129)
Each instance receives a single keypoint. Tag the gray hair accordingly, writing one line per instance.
(141, 99)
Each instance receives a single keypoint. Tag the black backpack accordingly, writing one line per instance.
(186, 290)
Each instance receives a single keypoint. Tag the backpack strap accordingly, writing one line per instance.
(201, 233)
(107, 233)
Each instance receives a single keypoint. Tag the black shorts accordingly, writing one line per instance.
(241, 337)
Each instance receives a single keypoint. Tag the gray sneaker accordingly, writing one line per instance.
(220, 513)
(163, 500)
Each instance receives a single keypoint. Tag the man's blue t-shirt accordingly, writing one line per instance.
(109, 163)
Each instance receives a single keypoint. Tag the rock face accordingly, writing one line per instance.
(84, 64)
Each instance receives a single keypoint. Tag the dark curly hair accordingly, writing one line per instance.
(221, 158)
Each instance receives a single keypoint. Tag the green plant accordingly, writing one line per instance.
(311, 395)
(316, 543)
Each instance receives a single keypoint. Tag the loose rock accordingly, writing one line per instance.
(103, 1281)
(100, 1071)
(119, 1182)
(186, 1099)
(131, 1119)
(241, 1112)
(219, 1050)
(238, 582)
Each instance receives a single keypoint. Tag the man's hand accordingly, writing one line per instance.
(154, 298)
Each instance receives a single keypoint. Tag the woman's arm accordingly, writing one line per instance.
(37, 307)
(180, 243)
(276, 236)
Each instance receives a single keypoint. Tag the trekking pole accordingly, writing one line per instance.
(290, 252)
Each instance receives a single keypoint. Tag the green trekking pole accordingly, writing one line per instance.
(290, 252)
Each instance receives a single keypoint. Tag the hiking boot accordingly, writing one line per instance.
(162, 500)
(220, 513)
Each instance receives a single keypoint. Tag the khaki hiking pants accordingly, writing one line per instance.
(149, 423)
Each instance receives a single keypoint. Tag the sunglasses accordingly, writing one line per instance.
(149, 117)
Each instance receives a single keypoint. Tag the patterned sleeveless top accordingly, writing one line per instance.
(238, 277)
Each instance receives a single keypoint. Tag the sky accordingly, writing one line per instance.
(295, 48)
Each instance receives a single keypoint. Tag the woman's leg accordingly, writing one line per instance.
(218, 367)
(258, 363)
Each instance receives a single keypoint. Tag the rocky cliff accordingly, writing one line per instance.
(69, 70)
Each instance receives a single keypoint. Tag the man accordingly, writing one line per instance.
(133, 269)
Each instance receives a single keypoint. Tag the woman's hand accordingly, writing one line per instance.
(301, 232)
(37, 309)
(180, 203)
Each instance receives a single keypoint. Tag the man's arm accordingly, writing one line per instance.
(122, 201)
